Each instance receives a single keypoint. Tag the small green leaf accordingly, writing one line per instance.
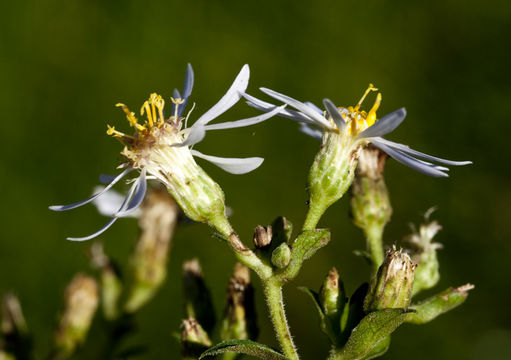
(369, 334)
(246, 347)
(438, 304)
(311, 241)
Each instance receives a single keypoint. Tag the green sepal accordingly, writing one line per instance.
(324, 322)
(366, 338)
(246, 347)
(438, 304)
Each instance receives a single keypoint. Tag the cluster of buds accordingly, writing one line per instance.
(238, 320)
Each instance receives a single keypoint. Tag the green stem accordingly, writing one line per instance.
(246, 256)
(374, 234)
(314, 214)
(273, 293)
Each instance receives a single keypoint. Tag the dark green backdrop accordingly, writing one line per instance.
(64, 64)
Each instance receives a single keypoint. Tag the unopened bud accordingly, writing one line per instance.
(149, 259)
(331, 295)
(281, 256)
(424, 253)
(17, 342)
(13, 321)
(262, 236)
(239, 321)
(197, 297)
(392, 285)
(81, 302)
(194, 340)
(429, 309)
(6, 356)
(370, 204)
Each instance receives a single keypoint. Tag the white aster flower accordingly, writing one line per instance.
(161, 149)
(357, 127)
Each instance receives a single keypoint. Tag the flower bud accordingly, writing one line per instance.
(239, 321)
(262, 236)
(197, 297)
(331, 295)
(13, 321)
(81, 302)
(194, 340)
(149, 259)
(392, 285)
(281, 256)
(423, 252)
(331, 173)
(370, 204)
(17, 342)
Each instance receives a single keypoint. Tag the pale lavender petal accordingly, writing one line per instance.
(232, 165)
(335, 114)
(319, 119)
(385, 125)
(245, 122)
(230, 98)
(314, 106)
(80, 203)
(188, 85)
(314, 133)
(97, 233)
(408, 150)
(265, 106)
(138, 197)
(187, 89)
(106, 179)
(411, 162)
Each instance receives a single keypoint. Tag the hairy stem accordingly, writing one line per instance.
(273, 293)
(246, 256)
(373, 235)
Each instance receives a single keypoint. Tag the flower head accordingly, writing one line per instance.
(160, 149)
(356, 127)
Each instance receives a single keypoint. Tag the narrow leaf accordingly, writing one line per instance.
(246, 347)
(372, 330)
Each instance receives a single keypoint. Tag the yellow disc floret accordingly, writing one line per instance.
(358, 120)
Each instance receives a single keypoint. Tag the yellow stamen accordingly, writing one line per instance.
(147, 109)
(176, 102)
(130, 116)
(112, 132)
(371, 115)
(369, 89)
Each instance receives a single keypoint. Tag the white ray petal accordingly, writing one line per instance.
(232, 165)
(319, 119)
(245, 122)
(230, 98)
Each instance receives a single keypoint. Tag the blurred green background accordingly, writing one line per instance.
(64, 64)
